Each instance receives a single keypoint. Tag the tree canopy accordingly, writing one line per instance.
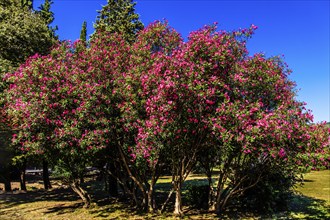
(22, 34)
(118, 16)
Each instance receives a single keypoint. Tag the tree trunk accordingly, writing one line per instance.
(178, 201)
(168, 199)
(227, 194)
(135, 179)
(150, 193)
(151, 203)
(217, 203)
(7, 185)
(7, 178)
(112, 181)
(211, 192)
(82, 194)
(224, 202)
(22, 175)
(45, 175)
(22, 180)
(133, 195)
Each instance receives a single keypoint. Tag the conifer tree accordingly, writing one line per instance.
(48, 16)
(27, 3)
(83, 33)
(119, 16)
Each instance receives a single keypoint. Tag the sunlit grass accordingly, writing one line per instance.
(313, 198)
(317, 185)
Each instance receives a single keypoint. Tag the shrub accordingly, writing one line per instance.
(197, 196)
(271, 194)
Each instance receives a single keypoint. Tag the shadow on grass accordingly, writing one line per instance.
(300, 207)
(57, 194)
(309, 208)
(63, 209)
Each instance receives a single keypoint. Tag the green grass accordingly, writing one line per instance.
(316, 185)
(311, 202)
(313, 198)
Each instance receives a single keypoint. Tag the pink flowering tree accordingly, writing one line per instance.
(63, 106)
(208, 93)
(161, 103)
(255, 121)
(317, 154)
(178, 95)
(143, 86)
(44, 101)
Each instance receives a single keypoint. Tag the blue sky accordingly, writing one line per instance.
(299, 30)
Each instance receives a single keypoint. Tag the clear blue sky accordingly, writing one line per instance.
(297, 29)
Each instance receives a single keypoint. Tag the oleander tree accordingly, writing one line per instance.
(317, 155)
(160, 102)
(208, 93)
(142, 84)
(24, 32)
(62, 105)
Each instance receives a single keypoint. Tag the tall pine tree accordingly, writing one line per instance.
(48, 16)
(118, 16)
(83, 33)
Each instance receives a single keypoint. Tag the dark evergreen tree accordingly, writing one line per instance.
(48, 16)
(83, 33)
(45, 12)
(27, 3)
(119, 16)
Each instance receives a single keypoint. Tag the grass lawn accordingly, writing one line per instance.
(317, 185)
(311, 202)
(313, 198)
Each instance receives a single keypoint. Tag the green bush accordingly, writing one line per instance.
(271, 194)
(197, 196)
